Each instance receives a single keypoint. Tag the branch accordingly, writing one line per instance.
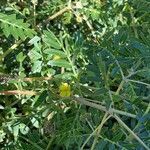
(60, 12)
(103, 108)
(104, 120)
(17, 92)
(94, 132)
(131, 132)
(30, 79)
(10, 49)
(139, 82)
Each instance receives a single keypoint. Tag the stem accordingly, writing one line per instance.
(73, 68)
(133, 23)
(49, 143)
(15, 9)
(92, 134)
(18, 92)
(32, 143)
(10, 49)
(70, 7)
(146, 112)
(139, 82)
(34, 14)
(29, 79)
(119, 67)
(123, 148)
(59, 13)
(68, 57)
(120, 87)
(131, 132)
(105, 118)
(103, 108)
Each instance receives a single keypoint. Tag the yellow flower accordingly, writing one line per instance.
(56, 57)
(64, 90)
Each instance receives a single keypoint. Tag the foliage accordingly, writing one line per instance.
(74, 74)
(15, 27)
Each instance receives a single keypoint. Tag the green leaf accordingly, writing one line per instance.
(59, 63)
(16, 130)
(1, 107)
(55, 52)
(2, 135)
(20, 57)
(111, 146)
(35, 122)
(101, 145)
(95, 14)
(50, 39)
(34, 40)
(41, 99)
(34, 55)
(37, 66)
(65, 76)
(23, 128)
(50, 34)
(15, 27)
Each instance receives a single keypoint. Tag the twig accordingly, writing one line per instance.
(102, 108)
(30, 79)
(112, 142)
(131, 132)
(146, 112)
(139, 82)
(16, 92)
(34, 12)
(133, 23)
(88, 23)
(10, 49)
(32, 143)
(66, 9)
(120, 87)
(122, 74)
(60, 12)
(105, 118)
(24, 92)
(92, 134)
(69, 58)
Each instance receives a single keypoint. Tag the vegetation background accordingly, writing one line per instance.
(75, 74)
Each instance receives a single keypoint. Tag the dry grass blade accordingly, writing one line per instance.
(17, 92)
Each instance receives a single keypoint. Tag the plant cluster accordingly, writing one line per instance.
(75, 74)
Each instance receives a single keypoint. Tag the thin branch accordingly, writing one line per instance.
(30, 79)
(131, 132)
(105, 118)
(93, 133)
(32, 143)
(66, 9)
(122, 74)
(106, 139)
(59, 13)
(139, 82)
(148, 109)
(16, 92)
(102, 108)
(10, 49)
(120, 87)
(146, 112)
(133, 23)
